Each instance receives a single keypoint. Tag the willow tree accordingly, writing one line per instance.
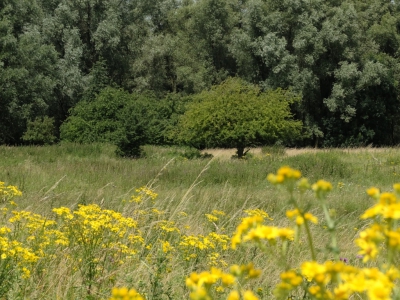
(236, 114)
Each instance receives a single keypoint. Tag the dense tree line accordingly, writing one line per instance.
(341, 57)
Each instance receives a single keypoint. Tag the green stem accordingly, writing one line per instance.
(310, 241)
(332, 231)
(391, 224)
(309, 236)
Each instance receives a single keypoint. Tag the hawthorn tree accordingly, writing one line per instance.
(236, 114)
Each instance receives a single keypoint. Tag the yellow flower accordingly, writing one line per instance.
(284, 173)
(63, 211)
(295, 213)
(228, 279)
(342, 292)
(314, 290)
(263, 232)
(143, 193)
(244, 227)
(379, 290)
(248, 295)
(211, 218)
(315, 271)
(373, 192)
(289, 173)
(253, 273)
(257, 212)
(235, 270)
(391, 211)
(218, 212)
(7, 193)
(234, 295)
(125, 294)
(166, 247)
(321, 188)
(387, 198)
(372, 212)
(26, 273)
(4, 230)
(368, 241)
(200, 294)
(396, 187)
(311, 218)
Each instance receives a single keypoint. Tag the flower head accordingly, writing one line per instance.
(284, 174)
(321, 188)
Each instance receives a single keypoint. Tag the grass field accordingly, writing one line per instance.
(78, 174)
(70, 175)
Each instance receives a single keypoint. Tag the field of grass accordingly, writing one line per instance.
(70, 175)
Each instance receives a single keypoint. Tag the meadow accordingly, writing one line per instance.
(88, 223)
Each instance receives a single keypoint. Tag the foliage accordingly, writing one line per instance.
(41, 131)
(340, 57)
(98, 120)
(126, 120)
(114, 116)
(236, 114)
(27, 73)
(132, 124)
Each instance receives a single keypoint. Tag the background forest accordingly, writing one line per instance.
(123, 71)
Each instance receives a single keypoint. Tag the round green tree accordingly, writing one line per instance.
(236, 114)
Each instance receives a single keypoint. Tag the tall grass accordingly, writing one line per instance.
(70, 174)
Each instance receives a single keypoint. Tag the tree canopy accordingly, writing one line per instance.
(237, 114)
(340, 56)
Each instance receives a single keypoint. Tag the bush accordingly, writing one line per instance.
(133, 125)
(41, 131)
(125, 120)
(98, 120)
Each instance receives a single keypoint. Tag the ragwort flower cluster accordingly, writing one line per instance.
(17, 259)
(99, 241)
(7, 193)
(335, 279)
(207, 284)
(383, 235)
(331, 279)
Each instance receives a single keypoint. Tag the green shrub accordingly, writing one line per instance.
(123, 119)
(133, 125)
(98, 120)
(41, 131)
(236, 114)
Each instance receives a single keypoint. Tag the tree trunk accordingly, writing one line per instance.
(240, 152)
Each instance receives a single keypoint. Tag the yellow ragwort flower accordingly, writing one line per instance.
(321, 188)
(284, 173)
(249, 295)
(125, 294)
(373, 192)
